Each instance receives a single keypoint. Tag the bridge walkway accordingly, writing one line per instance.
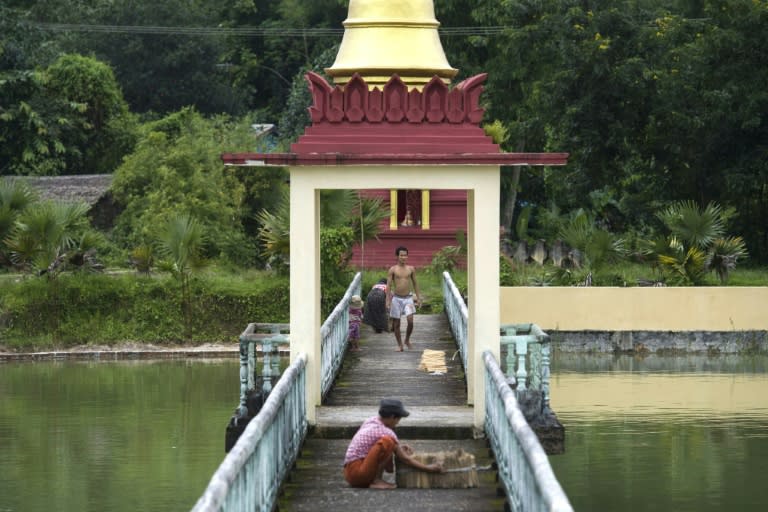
(439, 420)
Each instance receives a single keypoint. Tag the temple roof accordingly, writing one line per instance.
(358, 125)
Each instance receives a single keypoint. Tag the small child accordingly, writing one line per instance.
(355, 318)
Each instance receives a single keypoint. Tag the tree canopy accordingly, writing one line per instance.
(657, 101)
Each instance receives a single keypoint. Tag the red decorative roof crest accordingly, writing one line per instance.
(353, 125)
(353, 119)
(354, 103)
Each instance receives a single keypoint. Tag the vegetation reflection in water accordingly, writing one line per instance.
(117, 436)
(663, 433)
(658, 434)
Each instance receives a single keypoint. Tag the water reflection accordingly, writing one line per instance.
(112, 436)
(663, 433)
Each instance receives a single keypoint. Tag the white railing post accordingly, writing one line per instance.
(458, 316)
(333, 335)
(523, 467)
(529, 348)
(252, 472)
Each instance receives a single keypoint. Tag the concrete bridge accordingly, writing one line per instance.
(284, 462)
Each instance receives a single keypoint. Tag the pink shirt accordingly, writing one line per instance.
(369, 433)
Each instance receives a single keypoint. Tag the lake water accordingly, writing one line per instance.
(112, 436)
(656, 434)
(663, 433)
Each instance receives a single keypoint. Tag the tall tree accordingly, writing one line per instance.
(270, 62)
(109, 129)
(33, 124)
(176, 170)
(159, 71)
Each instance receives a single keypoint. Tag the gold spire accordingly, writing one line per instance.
(384, 37)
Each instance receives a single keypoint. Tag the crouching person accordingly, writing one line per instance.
(373, 446)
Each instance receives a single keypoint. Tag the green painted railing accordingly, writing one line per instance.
(528, 357)
(251, 474)
(456, 311)
(523, 467)
(270, 337)
(333, 334)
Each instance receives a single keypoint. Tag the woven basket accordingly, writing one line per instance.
(462, 476)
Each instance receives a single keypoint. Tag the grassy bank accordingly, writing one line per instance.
(82, 309)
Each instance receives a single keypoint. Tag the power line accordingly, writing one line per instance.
(241, 31)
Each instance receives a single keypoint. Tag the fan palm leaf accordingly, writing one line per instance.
(16, 195)
(336, 207)
(687, 267)
(367, 216)
(275, 231)
(697, 227)
(44, 232)
(723, 255)
(181, 241)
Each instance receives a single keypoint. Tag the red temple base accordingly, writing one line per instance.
(448, 215)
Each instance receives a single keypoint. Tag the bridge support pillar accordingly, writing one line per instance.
(482, 282)
(305, 280)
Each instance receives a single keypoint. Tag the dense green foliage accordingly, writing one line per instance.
(656, 101)
(661, 104)
(97, 309)
(176, 169)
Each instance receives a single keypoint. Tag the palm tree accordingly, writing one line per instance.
(180, 243)
(275, 233)
(46, 239)
(15, 196)
(692, 225)
(338, 208)
(696, 244)
(596, 244)
(47, 234)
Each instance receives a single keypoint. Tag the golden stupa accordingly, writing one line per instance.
(387, 37)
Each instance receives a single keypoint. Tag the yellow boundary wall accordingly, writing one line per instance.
(637, 309)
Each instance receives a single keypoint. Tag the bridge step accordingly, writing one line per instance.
(317, 483)
(425, 422)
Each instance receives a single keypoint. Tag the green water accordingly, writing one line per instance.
(655, 434)
(112, 436)
(663, 434)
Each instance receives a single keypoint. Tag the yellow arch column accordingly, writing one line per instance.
(305, 280)
(425, 209)
(393, 209)
(482, 282)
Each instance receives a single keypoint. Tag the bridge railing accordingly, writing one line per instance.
(523, 466)
(456, 311)
(528, 357)
(270, 337)
(333, 334)
(251, 474)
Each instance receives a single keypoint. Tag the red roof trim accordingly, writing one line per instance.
(296, 159)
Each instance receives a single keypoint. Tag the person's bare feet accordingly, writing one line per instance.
(399, 348)
(408, 344)
(381, 484)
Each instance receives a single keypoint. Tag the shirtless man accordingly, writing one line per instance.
(400, 301)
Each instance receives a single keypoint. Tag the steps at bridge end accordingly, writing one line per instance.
(425, 422)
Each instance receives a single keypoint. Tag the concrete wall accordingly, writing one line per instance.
(637, 309)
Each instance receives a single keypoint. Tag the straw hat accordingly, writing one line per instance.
(356, 301)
